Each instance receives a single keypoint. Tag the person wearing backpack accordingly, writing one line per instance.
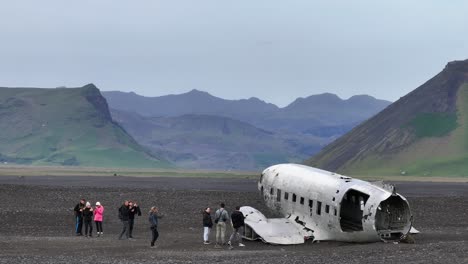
(221, 217)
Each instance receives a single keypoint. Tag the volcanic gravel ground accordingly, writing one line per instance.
(37, 225)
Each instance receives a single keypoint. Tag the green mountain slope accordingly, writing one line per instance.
(423, 133)
(65, 126)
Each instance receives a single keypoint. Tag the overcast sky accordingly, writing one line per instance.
(273, 50)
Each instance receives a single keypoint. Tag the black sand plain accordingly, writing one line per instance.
(37, 225)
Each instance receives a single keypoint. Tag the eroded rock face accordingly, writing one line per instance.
(93, 95)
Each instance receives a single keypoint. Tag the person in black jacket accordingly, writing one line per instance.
(88, 219)
(124, 216)
(134, 210)
(237, 221)
(79, 217)
(207, 225)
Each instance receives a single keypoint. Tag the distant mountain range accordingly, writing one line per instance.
(423, 133)
(214, 142)
(74, 126)
(304, 115)
(198, 130)
(67, 126)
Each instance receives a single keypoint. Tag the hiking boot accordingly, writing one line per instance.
(241, 245)
(206, 242)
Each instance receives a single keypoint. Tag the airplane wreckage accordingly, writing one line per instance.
(322, 205)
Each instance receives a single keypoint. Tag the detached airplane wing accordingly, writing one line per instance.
(278, 231)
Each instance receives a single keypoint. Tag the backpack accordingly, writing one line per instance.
(222, 215)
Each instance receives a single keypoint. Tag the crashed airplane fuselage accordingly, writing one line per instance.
(322, 205)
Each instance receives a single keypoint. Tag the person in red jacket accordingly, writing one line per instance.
(98, 217)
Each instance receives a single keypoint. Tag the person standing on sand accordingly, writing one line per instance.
(124, 214)
(134, 209)
(221, 216)
(237, 221)
(207, 225)
(88, 219)
(98, 217)
(153, 218)
(79, 217)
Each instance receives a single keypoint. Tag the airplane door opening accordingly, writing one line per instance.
(351, 211)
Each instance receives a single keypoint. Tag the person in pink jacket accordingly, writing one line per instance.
(98, 215)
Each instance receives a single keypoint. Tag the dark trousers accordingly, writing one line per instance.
(98, 226)
(130, 225)
(125, 229)
(88, 226)
(155, 234)
(79, 225)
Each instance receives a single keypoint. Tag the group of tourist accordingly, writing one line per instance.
(86, 214)
(221, 219)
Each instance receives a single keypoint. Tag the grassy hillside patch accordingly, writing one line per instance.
(433, 124)
(69, 126)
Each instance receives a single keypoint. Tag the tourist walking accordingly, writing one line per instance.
(237, 221)
(153, 219)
